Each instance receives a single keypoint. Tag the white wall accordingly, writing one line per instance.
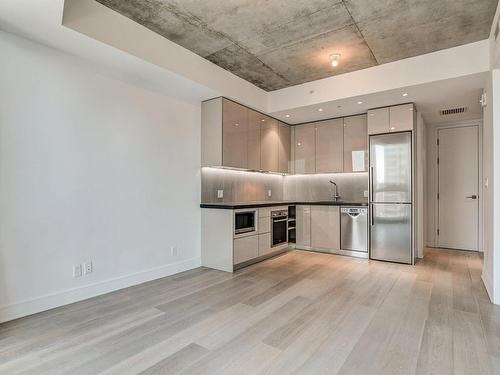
(491, 186)
(91, 168)
(421, 133)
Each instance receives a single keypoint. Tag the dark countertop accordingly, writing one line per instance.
(239, 205)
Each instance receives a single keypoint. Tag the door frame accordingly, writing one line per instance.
(460, 124)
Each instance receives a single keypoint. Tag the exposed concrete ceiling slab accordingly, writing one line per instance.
(281, 43)
(396, 29)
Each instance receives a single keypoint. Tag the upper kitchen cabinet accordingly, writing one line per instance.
(235, 136)
(401, 118)
(255, 120)
(330, 146)
(356, 144)
(304, 145)
(269, 142)
(284, 147)
(391, 119)
(378, 121)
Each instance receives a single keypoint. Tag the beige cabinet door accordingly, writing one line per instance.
(303, 226)
(284, 147)
(245, 248)
(401, 118)
(305, 158)
(329, 146)
(378, 121)
(325, 227)
(269, 140)
(234, 135)
(356, 144)
(253, 140)
(265, 244)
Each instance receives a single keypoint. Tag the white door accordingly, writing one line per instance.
(458, 199)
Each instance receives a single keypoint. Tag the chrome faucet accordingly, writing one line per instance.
(336, 195)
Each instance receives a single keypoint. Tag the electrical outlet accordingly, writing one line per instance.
(220, 194)
(365, 193)
(88, 268)
(77, 271)
(269, 193)
(173, 251)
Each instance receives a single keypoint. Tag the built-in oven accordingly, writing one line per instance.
(245, 222)
(279, 227)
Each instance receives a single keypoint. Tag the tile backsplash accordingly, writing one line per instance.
(317, 187)
(242, 186)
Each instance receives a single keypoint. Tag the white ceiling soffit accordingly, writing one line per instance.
(429, 98)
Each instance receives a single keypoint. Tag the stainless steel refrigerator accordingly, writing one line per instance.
(391, 197)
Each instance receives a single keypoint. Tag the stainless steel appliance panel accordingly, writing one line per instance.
(390, 167)
(391, 232)
(354, 229)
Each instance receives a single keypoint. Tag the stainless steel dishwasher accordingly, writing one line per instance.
(354, 229)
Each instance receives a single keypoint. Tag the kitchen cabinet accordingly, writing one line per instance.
(391, 119)
(245, 248)
(304, 145)
(356, 144)
(234, 135)
(378, 121)
(265, 244)
(325, 227)
(284, 147)
(253, 139)
(329, 151)
(303, 226)
(401, 118)
(269, 141)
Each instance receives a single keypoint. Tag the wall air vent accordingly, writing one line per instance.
(452, 111)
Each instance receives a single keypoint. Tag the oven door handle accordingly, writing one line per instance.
(279, 221)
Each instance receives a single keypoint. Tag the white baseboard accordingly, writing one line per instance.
(61, 298)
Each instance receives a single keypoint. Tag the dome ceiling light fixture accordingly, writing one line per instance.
(334, 59)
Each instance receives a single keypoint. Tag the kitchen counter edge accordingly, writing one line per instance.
(237, 206)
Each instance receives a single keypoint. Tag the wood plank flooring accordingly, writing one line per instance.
(300, 313)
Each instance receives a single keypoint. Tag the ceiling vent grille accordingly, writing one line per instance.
(452, 111)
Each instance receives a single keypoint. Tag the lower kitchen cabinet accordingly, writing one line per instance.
(265, 244)
(303, 226)
(325, 227)
(245, 248)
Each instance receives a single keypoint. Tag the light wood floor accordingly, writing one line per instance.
(303, 313)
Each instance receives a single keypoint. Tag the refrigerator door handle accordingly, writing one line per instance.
(372, 221)
(371, 184)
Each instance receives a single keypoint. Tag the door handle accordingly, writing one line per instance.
(471, 196)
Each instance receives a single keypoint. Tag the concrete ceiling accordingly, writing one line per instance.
(281, 43)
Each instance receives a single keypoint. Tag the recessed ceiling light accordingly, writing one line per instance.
(334, 59)
(287, 116)
(263, 120)
(236, 124)
(405, 94)
(360, 102)
(299, 144)
(320, 109)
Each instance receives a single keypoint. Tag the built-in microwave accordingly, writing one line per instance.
(245, 222)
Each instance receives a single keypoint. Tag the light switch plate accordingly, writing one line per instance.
(365, 193)
(220, 194)
(269, 193)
